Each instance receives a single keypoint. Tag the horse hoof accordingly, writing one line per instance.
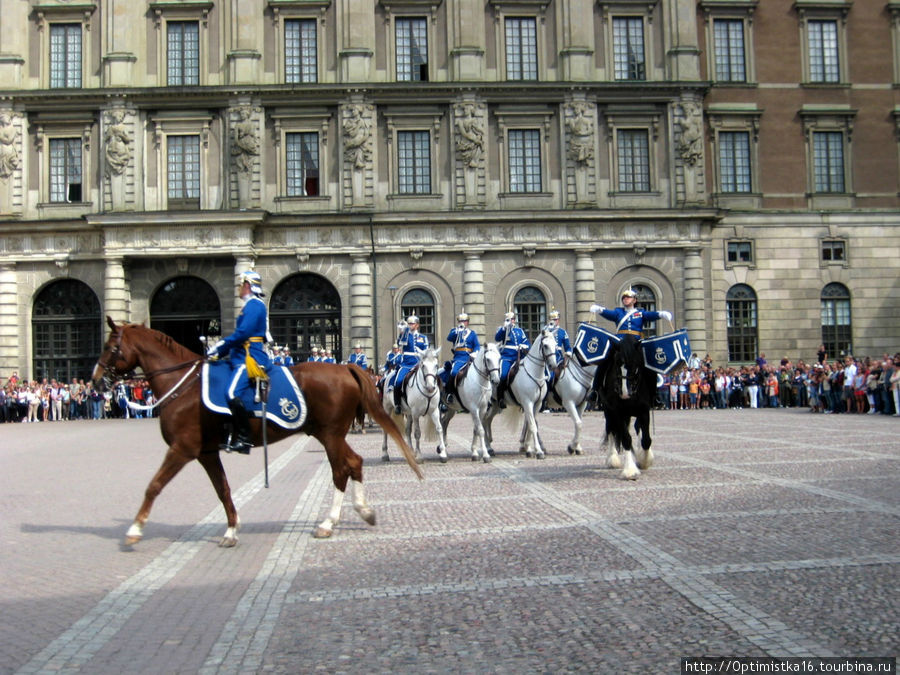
(131, 541)
(540, 456)
(491, 452)
(443, 459)
(228, 542)
(474, 458)
(571, 450)
(487, 459)
(321, 533)
(420, 459)
(385, 458)
(368, 515)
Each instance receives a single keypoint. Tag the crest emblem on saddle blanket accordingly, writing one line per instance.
(592, 344)
(663, 353)
(286, 407)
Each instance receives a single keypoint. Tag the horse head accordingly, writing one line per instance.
(492, 362)
(429, 365)
(547, 342)
(117, 357)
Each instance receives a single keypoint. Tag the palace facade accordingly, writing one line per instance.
(735, 161)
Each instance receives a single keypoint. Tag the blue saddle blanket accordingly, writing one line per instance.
(285, 406)
(592, 344)
(664, 352)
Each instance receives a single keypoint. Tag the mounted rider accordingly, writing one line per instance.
(465, 343)
(512, 341)
(629, 322)
(411, 342)
(563, 346)
(245, 348)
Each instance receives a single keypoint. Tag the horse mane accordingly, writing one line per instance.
(178, 350)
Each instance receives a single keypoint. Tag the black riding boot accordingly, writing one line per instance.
(397, 394)
(501, 394)
(240, 429)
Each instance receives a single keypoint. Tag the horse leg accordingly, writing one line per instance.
(531, 436)
(574, 447)
(417, 430)
(478, 441)
(345, 465)
(172, 464)
(630, 470)
(384, 442)
(212, 463)
(645, 454)
(439, 430)
(613, 461)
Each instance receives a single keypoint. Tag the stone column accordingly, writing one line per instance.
(468, 40)
(585, 284)
(242, 263)
(473, 292)
(361, 311)
(357, 40)
(694, 300)
(577, 51)
(246, 34)
(115, 291)
(9, 321)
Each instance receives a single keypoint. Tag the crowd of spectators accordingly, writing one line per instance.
(52, 401)
(863, 385)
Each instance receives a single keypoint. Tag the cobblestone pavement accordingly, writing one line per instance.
(756, 532)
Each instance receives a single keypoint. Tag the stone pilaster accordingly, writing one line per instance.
(577, 40)
(9, 321)
(357, 40)
(242, 263)
(585, 284)
(361, 310)
(694, 301)
(473, 291)
(116, 299)
(468, 40)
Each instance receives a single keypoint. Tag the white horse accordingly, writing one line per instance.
(529, 387)
(422, 400)
(571, 389)
(474, 394)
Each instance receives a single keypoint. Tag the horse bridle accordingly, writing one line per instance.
(486, 374)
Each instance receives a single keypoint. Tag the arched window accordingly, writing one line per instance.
(531, 310)
(66, 329)
(836, 328)
(186, 308)
(305, 312)
(646, 300)
(418, 301)
(740, 304)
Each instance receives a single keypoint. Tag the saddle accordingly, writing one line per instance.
(285, 405)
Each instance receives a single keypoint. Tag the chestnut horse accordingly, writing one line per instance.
(335, 396)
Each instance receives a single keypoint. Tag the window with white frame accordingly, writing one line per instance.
(65, 55)
(182, 53)
(411, 48)
(739, 251)
(729, 40)
(414, 162)
(735, 141)
(837, 328)
(301, 62)
(629, 57)
(734, 161)
(633, 160)
(823, 31)
(521, 48)
(65, 170)
(183, 171)
(524, 160)
(828, 133)
(301, 151)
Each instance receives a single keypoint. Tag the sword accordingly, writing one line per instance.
(264, 390)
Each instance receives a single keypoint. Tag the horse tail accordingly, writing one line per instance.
(371, 405)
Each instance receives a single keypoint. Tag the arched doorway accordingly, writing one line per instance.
(66, 329)
(184, 308)
(305, 312)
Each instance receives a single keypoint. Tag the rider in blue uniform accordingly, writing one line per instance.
(248, 341)
(629, 322)
(411, 343)
(512, 342)
(358, 357)
(465, 344)
(286, 358)
(563, 346)
(313, 355)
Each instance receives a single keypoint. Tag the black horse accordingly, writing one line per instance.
(626, 390)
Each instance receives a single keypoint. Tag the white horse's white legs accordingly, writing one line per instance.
(366, 512)
(135, 533)
(326, 527)
(230, 538)
(613, 461)
(630, 470)
(643, 457)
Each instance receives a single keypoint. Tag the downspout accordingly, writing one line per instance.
(377, 353)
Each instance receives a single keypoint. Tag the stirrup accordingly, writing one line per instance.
(239, 446)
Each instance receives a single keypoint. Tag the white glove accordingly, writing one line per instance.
(523, 348)
(596, 309)
(401, 326)
(460, 328)
(666, 315)
(506, 323)
(213, 352)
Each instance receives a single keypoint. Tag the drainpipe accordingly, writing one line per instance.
(377, 353)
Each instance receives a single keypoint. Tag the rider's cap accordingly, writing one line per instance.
(509, 316)
(554, 314)
(463, 317)
(255, 281)
(357, 346)
(412, 318)
(629, 293)
(315, 349)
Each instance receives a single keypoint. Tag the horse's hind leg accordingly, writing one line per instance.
(171, 465)
(345, 465)
(212, 462)
(630, 469)
(645, 454)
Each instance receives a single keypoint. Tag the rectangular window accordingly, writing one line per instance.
(740, 252)
(521, 49)
(828, 161)
(628, 48)
(734, 161)
(183, 55)
(833, 251)
(65, 170)
(302, 164)
(412, 50)
(824, 65)
(634, 160)
(300, 51)
(183, 171)
(524, 160)
(729, 50)
(65, 55)
(414, 162)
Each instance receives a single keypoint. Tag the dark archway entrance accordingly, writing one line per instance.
(184, 308)
(66, 329)
(305, 311)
